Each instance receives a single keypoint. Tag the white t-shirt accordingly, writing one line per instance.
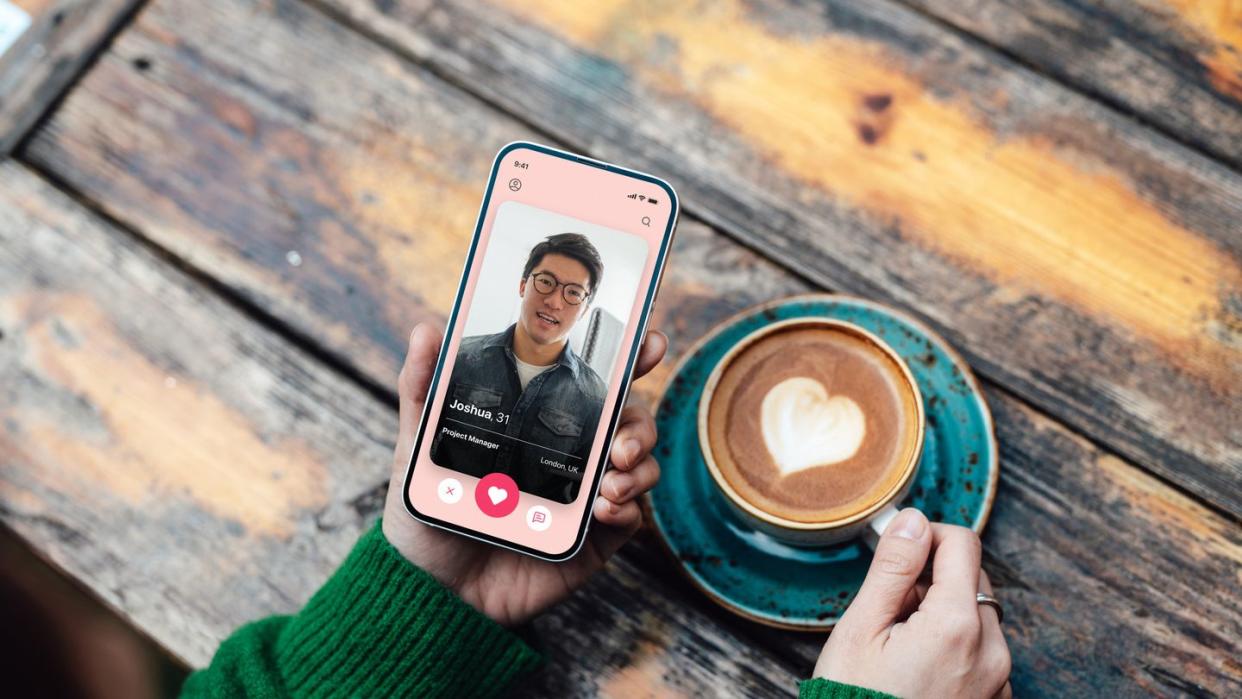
(526, 372)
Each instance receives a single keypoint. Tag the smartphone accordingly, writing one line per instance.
(541, 344)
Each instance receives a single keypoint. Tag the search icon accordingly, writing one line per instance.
(647, 221)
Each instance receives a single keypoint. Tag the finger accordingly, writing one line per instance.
(625, 517)
(1005, 692)
(988, 615)
(635, 437)
(623, 486)
(621, 522)
(955, 568)
(913, 599)
(655, 344)
(420, 364)
(994, 651)
(412, 384)
(985, 584)
(899, 558)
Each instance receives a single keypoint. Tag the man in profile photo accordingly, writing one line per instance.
(536, 404)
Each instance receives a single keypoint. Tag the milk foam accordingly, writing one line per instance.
(803, 427)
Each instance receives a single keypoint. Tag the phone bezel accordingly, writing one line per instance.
(632, 357)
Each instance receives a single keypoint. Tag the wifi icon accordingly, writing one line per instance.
(642, 198)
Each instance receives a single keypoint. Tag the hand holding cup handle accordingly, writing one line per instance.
(875, 528)
(910, 637)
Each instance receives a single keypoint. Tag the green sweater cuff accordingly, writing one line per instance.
(820, 688)
(381, 626)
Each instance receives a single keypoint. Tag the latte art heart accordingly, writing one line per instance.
(803, 427)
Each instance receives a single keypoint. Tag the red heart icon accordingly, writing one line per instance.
(496, 495)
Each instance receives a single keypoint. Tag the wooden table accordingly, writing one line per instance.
(213, 247)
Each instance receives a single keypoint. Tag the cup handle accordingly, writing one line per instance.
(877, 525)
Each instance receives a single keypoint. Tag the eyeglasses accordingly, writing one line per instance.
(546, 283)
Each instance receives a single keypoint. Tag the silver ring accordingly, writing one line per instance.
(991, 602)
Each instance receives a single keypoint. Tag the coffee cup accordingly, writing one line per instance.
(812, 429)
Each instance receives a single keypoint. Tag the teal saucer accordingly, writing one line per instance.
(790, 587)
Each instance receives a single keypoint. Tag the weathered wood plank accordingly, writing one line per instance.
(1174, 63)
(341, 202)
(61, 37)
(339, 159)
(196, 471)
(1080, 545)
(1088, 264)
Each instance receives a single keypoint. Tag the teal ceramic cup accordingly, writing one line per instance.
(870, 519)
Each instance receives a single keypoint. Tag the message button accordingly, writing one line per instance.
(538, 518)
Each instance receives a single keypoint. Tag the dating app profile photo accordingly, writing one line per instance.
(539, 347)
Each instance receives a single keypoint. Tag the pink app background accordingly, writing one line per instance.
(590, 194)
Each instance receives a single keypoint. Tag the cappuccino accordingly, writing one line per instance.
(812, 422)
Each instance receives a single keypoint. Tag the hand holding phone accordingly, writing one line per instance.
(507, 586)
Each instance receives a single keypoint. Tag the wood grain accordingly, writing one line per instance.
(218, 152)
(1080, 545)
(1086, 263)
(1173, 63)
(62, 37)
(340, 203)
(195, 471)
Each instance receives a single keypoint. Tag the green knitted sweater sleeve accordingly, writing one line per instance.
(380, 626)
(820, 688)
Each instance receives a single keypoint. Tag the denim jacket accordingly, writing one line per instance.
(552, 423)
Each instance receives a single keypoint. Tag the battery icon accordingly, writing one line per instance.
(651, 200)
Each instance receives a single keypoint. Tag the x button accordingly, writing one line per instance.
(450, 490)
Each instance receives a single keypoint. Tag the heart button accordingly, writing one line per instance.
(803, 427)
(496, 495)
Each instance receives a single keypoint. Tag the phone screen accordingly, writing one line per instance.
(555, 296)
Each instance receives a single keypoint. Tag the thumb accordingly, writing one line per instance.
(412, 385)
(899, 559)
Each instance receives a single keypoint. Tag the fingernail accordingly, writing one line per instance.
(632, 447)
(612, 507)
(623, 488)
(414, 332)
(908, 525)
